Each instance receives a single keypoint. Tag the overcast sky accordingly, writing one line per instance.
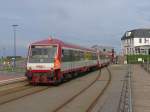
(83, 22)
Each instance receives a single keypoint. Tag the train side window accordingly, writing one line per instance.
(81, 56)
(78, 56)
(62, 54)
(70, 55)
(73, 55)
(78, 59)
(94, 56)
(65, 55)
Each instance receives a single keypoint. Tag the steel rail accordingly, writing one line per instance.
(21, 96)
(79, 93)
(14, 90)
(12, 81)
(101, 93)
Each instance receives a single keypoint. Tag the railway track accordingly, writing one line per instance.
(100, 94)
(12, 87)
(19, 92)
(84, 90)
(12, 81)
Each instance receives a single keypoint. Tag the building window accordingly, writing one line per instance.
(132, 40)
(140, 40)
(145, 40)
(130, 51)
(127, 50)
(133, 50)
(139, 50)
(136, 50)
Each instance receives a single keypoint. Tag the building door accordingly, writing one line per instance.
(148, 51)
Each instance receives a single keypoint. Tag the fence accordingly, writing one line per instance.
(8, 66)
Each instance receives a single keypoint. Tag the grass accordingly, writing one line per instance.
(133, 59)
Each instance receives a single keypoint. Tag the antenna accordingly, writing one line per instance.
(50, 38)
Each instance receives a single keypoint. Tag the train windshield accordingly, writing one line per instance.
(42, 54)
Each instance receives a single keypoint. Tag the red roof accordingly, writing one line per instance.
(61, 43)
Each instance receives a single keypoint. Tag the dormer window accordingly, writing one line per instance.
(128, 34)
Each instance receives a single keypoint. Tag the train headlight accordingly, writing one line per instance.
(52, 69)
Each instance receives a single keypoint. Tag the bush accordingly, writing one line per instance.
(133, 59)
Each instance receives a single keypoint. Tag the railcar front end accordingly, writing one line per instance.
(42, 64)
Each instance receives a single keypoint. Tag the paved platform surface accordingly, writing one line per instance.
(140, 89)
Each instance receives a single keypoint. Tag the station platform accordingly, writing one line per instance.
(140, 89)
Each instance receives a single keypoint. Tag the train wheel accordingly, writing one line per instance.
(58, 81)
(74, 75)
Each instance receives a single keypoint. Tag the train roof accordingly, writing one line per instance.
(61, 43)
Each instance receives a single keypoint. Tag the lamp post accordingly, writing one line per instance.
(14, 30)
(1, 55)
(4, 52)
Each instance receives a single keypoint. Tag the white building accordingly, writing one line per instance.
(136, 42)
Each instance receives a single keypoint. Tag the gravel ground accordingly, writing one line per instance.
(9, 75)
(83, 101)
(48, 100)
(13, 85)
(110, 100)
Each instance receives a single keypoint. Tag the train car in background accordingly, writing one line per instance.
(106, 52)
(51, 61)
(104, 58)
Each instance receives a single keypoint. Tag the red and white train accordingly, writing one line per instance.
(51, 61)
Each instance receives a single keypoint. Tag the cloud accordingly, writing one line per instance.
(84, 22)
